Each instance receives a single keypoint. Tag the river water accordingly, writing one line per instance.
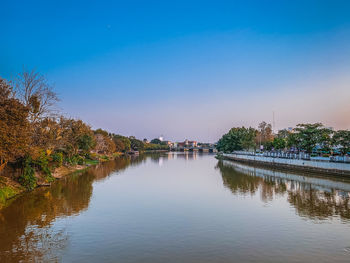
(180, 207)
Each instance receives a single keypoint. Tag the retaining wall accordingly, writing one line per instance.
(306, 165)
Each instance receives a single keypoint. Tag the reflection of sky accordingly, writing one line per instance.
(187, 70)
(182, 211)
(185, 211)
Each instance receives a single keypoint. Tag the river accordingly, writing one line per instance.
(180, 207)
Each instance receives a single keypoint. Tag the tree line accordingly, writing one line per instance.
(35, 137)
(312, 138)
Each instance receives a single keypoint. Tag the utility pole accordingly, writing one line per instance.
(273, 122)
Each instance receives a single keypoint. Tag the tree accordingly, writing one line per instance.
(46, 135)
(342, 138)
(156, 141)
(248, 138)
(230, 141)
(122, 144)
(293, 140)
(104, 144)
(264, 134)
(237, 139)
(283, 134)
(14, 126)
(311, 135)
(279, 143)
(36, 93)
(152, 147)
(136, 144)
(86, 142)
(73, 132)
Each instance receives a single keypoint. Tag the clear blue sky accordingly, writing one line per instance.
(185, 69)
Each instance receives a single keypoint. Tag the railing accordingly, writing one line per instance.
(340, 159)
(298, 156)
(286, 155)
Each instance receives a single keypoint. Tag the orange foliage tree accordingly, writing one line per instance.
(14, 126)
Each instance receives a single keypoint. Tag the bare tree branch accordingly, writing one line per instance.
(37, 94)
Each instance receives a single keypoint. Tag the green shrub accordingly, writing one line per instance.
(6, 192)
(93, 156)
(91, 162)
(57, 158)
(74, 160)
(71, 161)
(80, 160)
(105, 157)
(28, 179)
(43, 163)
(88, 156)
(49, 178)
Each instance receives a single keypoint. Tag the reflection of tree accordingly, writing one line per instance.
(23, 223)
(306, 198)
(315, 204)
(238, 182)
(103, 170)
(25, 229)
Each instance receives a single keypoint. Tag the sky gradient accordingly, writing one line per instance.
(185, 69)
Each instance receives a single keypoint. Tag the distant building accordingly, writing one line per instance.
(161, 138)
(191, 143)
(181, 144)
(187, 143)
(169, 143)
(145, 140)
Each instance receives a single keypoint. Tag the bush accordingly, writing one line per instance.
(6, 192)
(104, 158)
(28, 179)
(43, 163)
(93, 156)
(77, 159)
(57, 158)
(91, 162)
(49, 178)
(70, 161)
(80, 160)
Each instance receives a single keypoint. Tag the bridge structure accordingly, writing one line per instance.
(209, 149)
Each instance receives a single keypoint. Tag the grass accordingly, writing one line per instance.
(91, 162)
(104, 158)
(6, 192)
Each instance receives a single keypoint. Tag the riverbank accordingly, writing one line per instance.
(314, 166)
(10, 188)
(156, 151)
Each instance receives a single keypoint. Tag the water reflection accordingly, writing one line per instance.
(25, 224)
(176, 213)
(312, 197)
(161, 157)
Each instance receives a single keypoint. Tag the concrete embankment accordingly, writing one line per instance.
(326, 167)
